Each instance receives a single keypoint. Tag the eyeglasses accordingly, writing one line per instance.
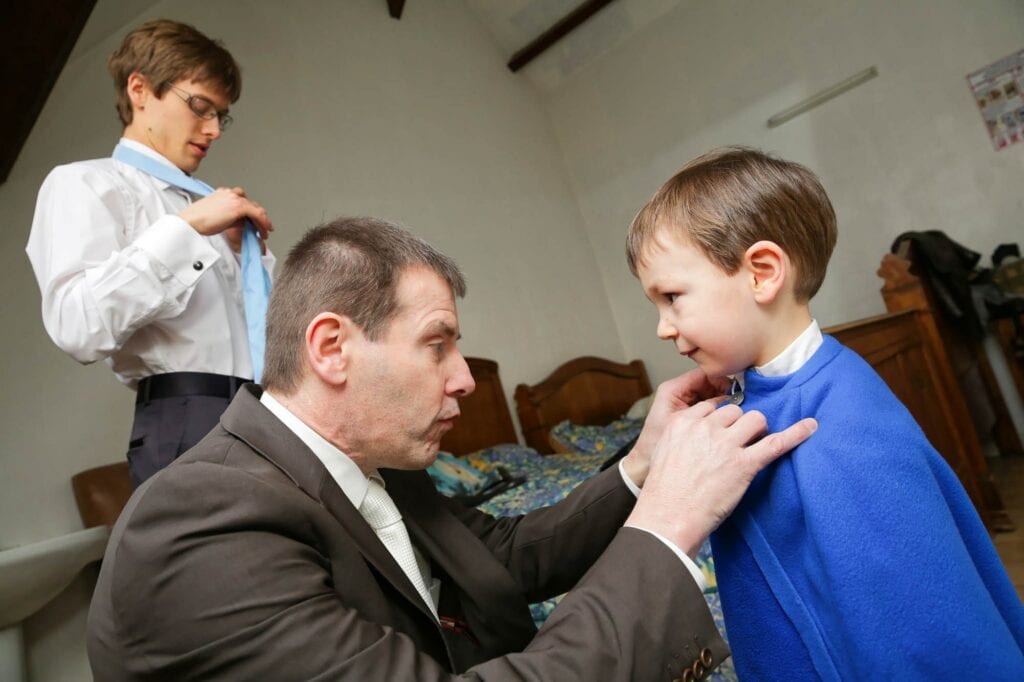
(203, 108)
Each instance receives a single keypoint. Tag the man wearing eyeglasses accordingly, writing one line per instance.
(142, 274)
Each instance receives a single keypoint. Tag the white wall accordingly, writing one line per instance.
(905, 151)
(344, 111)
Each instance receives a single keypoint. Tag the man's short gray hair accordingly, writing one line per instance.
(350, 267)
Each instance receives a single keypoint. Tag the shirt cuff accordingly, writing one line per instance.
(691, 565)
(184, 253)
(633, 487)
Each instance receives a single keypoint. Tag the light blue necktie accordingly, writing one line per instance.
(255, 280)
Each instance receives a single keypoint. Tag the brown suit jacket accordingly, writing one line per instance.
(244, 560)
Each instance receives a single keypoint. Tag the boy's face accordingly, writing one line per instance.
(174, 130)
(710, 316)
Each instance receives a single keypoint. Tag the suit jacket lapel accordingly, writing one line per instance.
(492, 601)
(252, 423)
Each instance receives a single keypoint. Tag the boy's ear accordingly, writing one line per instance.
(768, 268)
(330, 340)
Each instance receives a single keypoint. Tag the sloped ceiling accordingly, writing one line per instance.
(37, 38)
(35, 41)
(515, 23)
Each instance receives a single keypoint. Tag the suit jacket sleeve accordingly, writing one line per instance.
(548, 550)
(216, 573)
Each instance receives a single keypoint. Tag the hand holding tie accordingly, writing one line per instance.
(225, 210)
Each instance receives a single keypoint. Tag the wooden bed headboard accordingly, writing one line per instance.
(585, 390)
(485, 419)
(975, 406)
(897, 346)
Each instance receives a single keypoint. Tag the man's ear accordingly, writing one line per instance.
(768, 268)
(329, 342)
(139, 91)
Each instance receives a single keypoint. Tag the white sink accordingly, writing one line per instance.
(32, 575)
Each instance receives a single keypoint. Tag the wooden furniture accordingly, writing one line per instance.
(903, 347)
(485, 419)
(1009, 332)
(898, 348)
(586, 390)
(1010, 342)
(101, 493)
(966, 391)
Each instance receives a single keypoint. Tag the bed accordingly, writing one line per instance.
(584, 392)
(591, 391)
(969, 408)
(908, 359)
(588, 391)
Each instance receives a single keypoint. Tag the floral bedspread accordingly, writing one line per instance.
(549, 479)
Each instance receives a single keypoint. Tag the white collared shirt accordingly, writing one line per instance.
(795, 355)
(690, 564)
(346, 474)
(353, 484)
(125, 280)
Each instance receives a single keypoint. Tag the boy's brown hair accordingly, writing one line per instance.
(166, 51)
(730, 198)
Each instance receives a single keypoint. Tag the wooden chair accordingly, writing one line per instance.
(101, 493)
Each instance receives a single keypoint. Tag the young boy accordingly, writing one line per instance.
(859, 555)
(141, 272)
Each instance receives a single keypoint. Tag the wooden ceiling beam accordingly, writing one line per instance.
(551, 36)
(35, 41)
(395, 8)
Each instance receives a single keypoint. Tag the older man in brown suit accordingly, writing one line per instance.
(302, 539)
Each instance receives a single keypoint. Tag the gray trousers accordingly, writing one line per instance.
(166, 427)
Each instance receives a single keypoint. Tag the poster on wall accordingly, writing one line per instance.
(997, 89)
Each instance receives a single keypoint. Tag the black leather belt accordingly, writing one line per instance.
(179, 384)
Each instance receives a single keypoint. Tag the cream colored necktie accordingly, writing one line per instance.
(380, 512)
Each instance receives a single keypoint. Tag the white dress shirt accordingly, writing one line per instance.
(788, 361)
(795, 355)
(690, 564)
(353, 484)
(347, 475)
(125, 280)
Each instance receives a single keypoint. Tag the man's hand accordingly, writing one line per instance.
(225, 211)
(702, 466)
(671, 397)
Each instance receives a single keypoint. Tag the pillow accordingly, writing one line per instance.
(640, 408)
(455, 477)
(568, 437)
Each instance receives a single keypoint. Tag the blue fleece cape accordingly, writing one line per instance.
(859, 555)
